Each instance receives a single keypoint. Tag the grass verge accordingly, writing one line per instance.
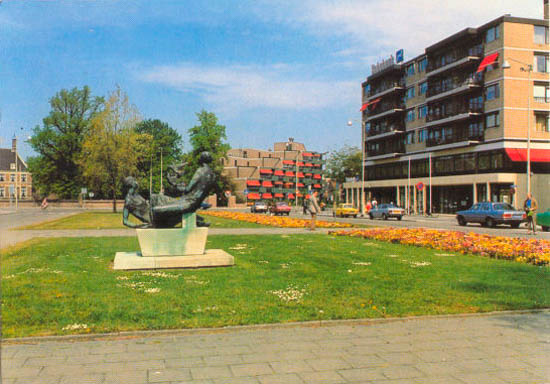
(110, 220)
(66, 285)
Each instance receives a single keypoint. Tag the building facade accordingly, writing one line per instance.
(453, 125)
(14, 175)
(287, 172)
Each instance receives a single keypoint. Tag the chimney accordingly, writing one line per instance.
(546, 10)
(14, 144)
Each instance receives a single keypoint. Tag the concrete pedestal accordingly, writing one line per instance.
(210, 258)
(173, 248)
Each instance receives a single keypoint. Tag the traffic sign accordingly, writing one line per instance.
(420, 186)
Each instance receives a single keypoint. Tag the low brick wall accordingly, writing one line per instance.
(88, 204)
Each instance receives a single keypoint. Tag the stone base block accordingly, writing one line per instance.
(172, 242)
(210, 258)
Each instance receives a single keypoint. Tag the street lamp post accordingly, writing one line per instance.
(350, 123)
(17, 173)
(526, 68)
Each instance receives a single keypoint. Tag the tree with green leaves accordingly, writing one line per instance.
(209, 136)
(112, 148)
(58, 142)
(343, 163)
(166, 143)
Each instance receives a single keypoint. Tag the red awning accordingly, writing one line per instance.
(278, 183)
(487, 60)
(253, 196)
(300, 164)
(308, 174)
(307, 154)
(300, 174)
(309, 165)
(279, 173)
(289, 173)
(266, 171)
(316, 185)
(536, 155)
(267, 183)
(318, 177)
(253, 183)
(318, 154)
(279, 195)
(289, 184)
(267, 196)
(307, 196)
(299, 194)
(288, 162)
(291, 195)
(300, 185)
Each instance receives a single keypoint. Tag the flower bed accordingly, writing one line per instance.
(532, 251)
(274, 221)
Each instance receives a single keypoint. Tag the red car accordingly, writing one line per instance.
(280, 209)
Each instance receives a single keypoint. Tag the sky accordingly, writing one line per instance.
(268, 69)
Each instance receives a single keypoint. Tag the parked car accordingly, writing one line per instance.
(345, 210)
(543, 219)
(491, 214)
(280, 208)
(259, 206)
(385, 211)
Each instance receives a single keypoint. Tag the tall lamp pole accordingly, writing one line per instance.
(525, 68)
(350, 123)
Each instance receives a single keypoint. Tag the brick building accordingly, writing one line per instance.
(281, 174)
(14, 176)
(457, 119)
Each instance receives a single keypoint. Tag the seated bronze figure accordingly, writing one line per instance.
(166, 211)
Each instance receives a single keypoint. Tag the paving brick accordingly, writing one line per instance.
(223, 360)
(83, 379)
(171, 374)
(290, 378)
(291, 366)
(401, 372)
(21, 372)
(237, 380)
(480, 377)
(124, 376)
(328, 364)
(184, 362)
(363, 374)
(254, 369)
(324, 377)
(36, 380)
(210, 372)
(437, 380)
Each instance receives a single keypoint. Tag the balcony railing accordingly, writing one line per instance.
(454, 56)
(441, 87)
(542, 99)
(454, 110)
(455, 135)
(397, 148)
(386, 87)
(381, 130)
(386, 107)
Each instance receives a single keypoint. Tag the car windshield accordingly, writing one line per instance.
(347, 206)
(281, 204)
(503, 207)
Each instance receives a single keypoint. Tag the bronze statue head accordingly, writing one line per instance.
(130, 182)
(205, 158)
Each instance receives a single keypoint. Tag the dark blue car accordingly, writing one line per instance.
(491, 214)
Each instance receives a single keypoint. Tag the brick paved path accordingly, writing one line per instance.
(494, 348)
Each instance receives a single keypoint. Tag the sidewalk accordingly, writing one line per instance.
(493, 348)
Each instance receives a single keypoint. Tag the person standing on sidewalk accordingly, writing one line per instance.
(314, 209)
(530, 206)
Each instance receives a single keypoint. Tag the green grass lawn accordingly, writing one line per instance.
(110, 220)
(51, 284)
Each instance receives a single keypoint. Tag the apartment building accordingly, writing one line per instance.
(287, 172)
(14, 175)
(457, 124)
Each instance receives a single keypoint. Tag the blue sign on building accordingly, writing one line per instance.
(399, 56)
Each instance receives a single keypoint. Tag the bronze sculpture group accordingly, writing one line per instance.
(166, 211)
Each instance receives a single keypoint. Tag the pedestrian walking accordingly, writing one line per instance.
(314, 209)
(530, 206)
(44, 204)
(374, 203)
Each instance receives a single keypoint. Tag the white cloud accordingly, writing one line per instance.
(249, 87)
(385, 25)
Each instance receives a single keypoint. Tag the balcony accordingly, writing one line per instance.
(452, 137)
(374, 134)
(454, 112)
(385, 90)
(387, 110)
(392, 149)
(454, 59)
(542, 99)
(440, 91)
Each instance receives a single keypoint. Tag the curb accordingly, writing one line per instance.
(244, 328)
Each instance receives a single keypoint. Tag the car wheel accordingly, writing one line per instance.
(514, 225)
(355, 216)
(399, 218)
(546, 228)
(333, 214)
(288, 213)
(371, 216)
(490, 222)
(461, 221)
(384, 216)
